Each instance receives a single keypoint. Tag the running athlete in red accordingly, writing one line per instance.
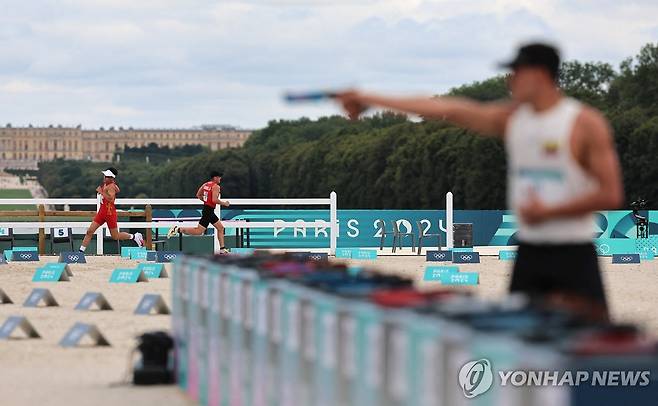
(209, 193)
(107, 213)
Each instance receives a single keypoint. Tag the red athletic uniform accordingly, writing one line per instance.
(207, 194)
(107, 213)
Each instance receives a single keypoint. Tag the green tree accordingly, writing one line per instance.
(587, 81)
(488, 90)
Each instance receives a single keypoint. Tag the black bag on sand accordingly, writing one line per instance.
(156, 364)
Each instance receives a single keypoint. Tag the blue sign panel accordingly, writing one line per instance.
(72, 257)
(345, 253)
(153, 270)
(460, 278)
(435, 273)
(127, 276)
(507, 255)
(126, 252)
(49, 275)
(242, 251)
(138, 254)
(438, 256)
(364, 254)
(625, 258)
(166, 256)
(466, 258)
(8, 254)
(24, 256)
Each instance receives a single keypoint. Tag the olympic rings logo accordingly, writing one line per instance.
(74, 257)
(467, 257)
(626, 259)
(439, 255)
(315, 257)
(169, 257)
(26, 256)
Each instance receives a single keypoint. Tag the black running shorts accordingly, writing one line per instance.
(566, 268)
(208, 216)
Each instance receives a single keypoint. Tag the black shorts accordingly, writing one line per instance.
(208, 216)
(571, 269)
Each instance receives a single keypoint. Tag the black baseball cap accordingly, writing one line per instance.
(216, 173)
(536, 54)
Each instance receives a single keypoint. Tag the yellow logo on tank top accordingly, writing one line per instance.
(550, 147)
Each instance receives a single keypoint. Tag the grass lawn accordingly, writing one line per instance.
(16, 194)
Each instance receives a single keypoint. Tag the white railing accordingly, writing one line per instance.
(332, 224)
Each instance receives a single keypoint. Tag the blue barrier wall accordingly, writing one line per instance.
(357, 228)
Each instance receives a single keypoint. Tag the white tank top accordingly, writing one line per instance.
(540, 158)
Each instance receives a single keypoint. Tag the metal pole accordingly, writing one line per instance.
(449, 222)
(42, 232)
(215, 244)
(100, 232)
(333, 218)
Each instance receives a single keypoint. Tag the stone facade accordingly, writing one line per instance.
(47, 143)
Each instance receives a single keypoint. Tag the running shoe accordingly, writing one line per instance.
(223, 251)
(139, 239)
(172, 231)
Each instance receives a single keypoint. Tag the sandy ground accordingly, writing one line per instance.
(40, 372)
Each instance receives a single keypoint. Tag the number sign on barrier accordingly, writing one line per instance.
(60, 232)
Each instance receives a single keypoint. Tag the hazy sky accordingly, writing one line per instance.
(179, 63)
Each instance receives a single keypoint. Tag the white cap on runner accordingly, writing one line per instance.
(108, 173)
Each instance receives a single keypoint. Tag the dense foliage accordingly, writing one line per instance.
(386, 161)
(153, 153)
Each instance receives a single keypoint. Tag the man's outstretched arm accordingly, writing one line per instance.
(484, 118)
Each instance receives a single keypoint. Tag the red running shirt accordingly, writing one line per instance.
(207, 194)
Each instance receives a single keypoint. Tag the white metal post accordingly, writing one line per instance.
(215, 243)
(449, 222)
(99, 233)
(333, 218)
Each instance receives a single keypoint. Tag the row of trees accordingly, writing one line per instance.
(386, 161)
